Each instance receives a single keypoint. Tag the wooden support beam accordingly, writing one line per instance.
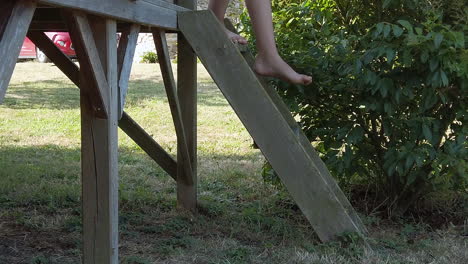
(15, 17)
(147, 143)
(62, 61)
(88, 54)
(183, 155)
(303, 140)
(126, 123)
(152, 13)
(99, 149)
(302, 174)
(125, 54)
(187, 93)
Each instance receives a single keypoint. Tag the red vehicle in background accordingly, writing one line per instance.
(61, 40)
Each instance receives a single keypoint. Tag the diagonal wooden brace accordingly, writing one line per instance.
(272, 127)
(126, 123)
(88, 56)
(125, 54)
(15, 18)
(250, 59)
(159, 37)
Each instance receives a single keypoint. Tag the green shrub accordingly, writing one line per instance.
(388, 104)
(149, 57)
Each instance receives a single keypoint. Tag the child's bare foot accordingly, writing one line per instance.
(235, 38)
(275, 66)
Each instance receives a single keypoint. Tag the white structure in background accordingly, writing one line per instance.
(145, 40)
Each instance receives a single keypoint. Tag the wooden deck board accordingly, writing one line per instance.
(152, 13)
(14, 22)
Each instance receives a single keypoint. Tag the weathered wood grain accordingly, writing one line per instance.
(149, 145)
(126, 123)
(125, 54)
(267, 125)
(88, 54)
(187, 93)
(151, 13)
(303, 140)
(160, 42)
(62, 61)
(14, 22)
(99, 155)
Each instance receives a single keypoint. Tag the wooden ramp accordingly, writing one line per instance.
(272, 127)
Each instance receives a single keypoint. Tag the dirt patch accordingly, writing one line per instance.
(20, 245)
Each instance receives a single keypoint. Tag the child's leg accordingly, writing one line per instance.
(268, 61)
(219, 9)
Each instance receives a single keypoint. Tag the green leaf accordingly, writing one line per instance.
(386, 85)
(418, 30)
(438, 40)
(390, 55)
(433, 64)
(409, 161)
(355, 135)
(386, 30)
(424, 56)
(386, 3)
(406, 25)
(397, 31)
(357, 65)
(413, 39)
(378, 28)
(444, 78)
(427, 132)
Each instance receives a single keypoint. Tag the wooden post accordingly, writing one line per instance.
(187, 93)
(99, 137)
(15, 17)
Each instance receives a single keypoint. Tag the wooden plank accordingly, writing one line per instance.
(14, 22)
(165, 3)
(99, 153)
(265, 122)
(303, 140)
(162, 15)
(5, 12)
(62, 61)
(88, 55)
(125, 54)
(160, 42)
(126, 123)
(187, 93)
(147, 143)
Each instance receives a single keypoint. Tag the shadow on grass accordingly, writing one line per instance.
(40, 193)
(50, 175)
(61, 94)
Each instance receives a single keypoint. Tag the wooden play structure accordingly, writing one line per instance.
(103, 77)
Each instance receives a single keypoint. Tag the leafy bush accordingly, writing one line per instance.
(388, 104)
(149, 57)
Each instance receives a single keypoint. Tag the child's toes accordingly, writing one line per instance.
(306, 80)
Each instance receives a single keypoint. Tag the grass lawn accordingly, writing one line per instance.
(241, 219)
